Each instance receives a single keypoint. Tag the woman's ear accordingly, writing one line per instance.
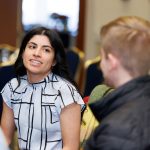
(54, 63)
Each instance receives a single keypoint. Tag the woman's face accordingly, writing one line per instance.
(38, 57)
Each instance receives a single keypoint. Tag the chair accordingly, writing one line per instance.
(92, 75)
(8, 55)
(6, 51)
(6, 73)
(75, 59)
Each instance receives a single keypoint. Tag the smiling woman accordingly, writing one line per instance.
(43, 102)
(38, 58)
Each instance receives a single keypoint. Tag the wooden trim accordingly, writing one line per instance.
(80, 36)
(8, 17)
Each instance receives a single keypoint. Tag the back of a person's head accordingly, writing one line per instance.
(128, 38)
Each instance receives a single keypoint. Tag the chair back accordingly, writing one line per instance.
(6, 73)
(5, 51)
(75, 59)
(92, 75)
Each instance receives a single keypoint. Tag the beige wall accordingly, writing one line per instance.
(100, 12)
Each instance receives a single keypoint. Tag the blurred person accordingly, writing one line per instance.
(124, 114)
(42, 102)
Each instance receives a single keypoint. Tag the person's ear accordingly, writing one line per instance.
(113, 61)
(54, 63)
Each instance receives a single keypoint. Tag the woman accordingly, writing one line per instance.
(42, 101)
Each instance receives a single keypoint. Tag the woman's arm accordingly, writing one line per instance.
(7, 123)
(70, 119)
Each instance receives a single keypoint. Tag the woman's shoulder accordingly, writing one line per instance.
(14, 81)
(60, 81)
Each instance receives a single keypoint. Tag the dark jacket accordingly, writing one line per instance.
(124, 117)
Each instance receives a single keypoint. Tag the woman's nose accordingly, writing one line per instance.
(37, 52)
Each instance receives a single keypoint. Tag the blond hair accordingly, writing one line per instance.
(128, 38)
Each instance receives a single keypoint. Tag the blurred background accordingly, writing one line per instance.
(78, 23)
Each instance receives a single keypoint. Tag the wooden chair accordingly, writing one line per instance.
(6, 73)
(75, 59)
(8, 55)
(92, 75)
(6, 51)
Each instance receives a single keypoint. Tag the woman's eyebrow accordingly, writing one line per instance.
(47, 46)
(32, 43)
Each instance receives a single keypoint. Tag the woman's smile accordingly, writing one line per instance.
(35, 62)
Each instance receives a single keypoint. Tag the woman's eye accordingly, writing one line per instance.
(31, 46)
(47, 50)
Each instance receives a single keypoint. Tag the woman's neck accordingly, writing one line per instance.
(34, 78)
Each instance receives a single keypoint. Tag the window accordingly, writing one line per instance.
(58, 14)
